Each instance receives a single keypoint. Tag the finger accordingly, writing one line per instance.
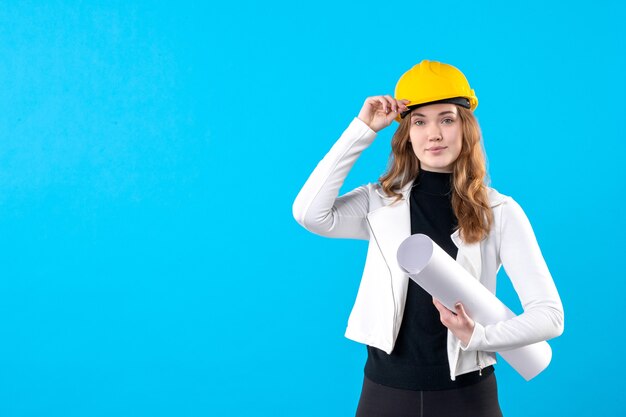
(402, 104)
(460, 310)
(445, 314)
(440, 306)
(443, 311)
(385, 105)
(381, 104)
(392, 103)
(464, 317)
(375, 102)
(446, 317)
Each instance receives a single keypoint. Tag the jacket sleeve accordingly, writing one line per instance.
(523, 262)
(317, 207)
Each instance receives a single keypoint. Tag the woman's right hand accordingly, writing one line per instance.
(379, 111)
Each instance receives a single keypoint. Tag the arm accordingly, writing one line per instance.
(523, 262)
(317, 207)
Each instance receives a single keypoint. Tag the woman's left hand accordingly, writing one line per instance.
(459, 323)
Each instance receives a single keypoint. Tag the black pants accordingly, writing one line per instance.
(477, 400)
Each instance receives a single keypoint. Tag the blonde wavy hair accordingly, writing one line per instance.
(470, 201)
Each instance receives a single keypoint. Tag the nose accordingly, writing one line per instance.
(434, 133)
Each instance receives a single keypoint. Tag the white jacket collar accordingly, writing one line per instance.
(495, 198)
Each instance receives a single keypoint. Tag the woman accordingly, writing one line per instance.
(424, 359)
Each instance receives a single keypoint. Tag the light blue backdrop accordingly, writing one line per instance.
(149, 156)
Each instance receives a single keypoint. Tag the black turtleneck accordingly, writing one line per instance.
(419, 360)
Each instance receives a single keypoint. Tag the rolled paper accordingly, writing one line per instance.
(446, 280)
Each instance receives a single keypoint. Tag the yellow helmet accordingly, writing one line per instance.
(432, 82)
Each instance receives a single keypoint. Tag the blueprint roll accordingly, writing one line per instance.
(446, 280)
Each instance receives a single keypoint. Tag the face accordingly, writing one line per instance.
(436, 136)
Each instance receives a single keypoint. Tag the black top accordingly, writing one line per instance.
(419, 360)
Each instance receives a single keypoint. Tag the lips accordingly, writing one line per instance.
(436, 148)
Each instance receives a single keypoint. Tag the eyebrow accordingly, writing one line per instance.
(440, 114)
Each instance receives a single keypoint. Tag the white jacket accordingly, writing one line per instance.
(367, 213)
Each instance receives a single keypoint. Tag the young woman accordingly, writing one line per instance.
(423, 359)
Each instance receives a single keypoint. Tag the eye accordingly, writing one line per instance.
(448, 121)
(417, 122)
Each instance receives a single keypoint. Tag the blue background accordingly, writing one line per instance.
(150, 153)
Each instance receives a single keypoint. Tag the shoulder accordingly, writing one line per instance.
(496, 198)
(377, 189)
(387, 199)
(377, 196)
(507, 209)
